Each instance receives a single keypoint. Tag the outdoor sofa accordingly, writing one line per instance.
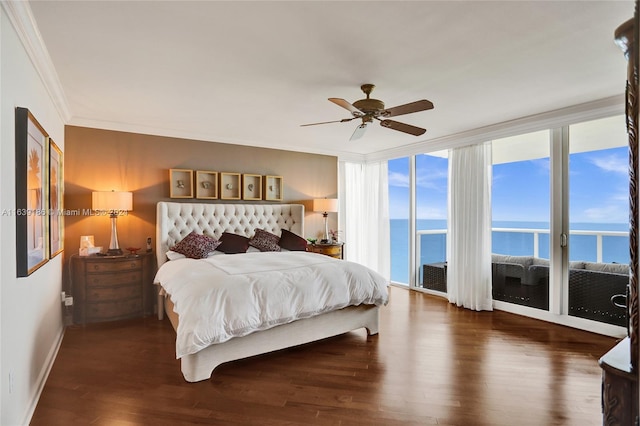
(593, 287)
(524, 280)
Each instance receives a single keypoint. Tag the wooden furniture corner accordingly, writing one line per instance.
(108, 288)
(335, 250)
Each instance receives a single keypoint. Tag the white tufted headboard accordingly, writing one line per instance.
(176, 220)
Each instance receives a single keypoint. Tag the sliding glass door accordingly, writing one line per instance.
(560, 217)
(521, 223)
(598, 220)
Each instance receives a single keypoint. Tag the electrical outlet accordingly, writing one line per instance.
(68, 301)
(63, 295)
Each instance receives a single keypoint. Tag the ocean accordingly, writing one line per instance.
(433, 246)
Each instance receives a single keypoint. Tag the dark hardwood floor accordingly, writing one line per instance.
(432, 363)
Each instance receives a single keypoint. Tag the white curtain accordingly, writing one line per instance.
(364, 214)
(469, 234)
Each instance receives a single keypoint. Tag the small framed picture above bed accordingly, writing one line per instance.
(251, 187)
(230, 186)
(206, 185)
(273, 188)
(180, 183)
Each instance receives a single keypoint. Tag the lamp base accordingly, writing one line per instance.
(325, 237)
(114, 247)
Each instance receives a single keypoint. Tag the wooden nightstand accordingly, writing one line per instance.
(107, 288)
(330, 249)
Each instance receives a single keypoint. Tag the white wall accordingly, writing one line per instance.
(31, 325)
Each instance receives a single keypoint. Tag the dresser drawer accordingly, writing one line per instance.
(331, 250)
(120, 265)
(105, 294)
(113, 279)
(107, 288)
(105, 311)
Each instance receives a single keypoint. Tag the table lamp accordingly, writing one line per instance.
(114, 202)
(324, 206)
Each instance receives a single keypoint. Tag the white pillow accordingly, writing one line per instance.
(173, 255)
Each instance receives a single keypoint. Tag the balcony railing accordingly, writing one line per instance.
(437, 249)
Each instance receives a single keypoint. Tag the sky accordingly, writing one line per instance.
(598, 188)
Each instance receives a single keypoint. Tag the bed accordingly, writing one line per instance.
(200, 355)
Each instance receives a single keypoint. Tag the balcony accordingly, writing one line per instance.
(598, 270)
(592, 246)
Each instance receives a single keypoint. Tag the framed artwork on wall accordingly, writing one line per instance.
(56, 197)
(32, 219)
(251, 187)
(230, 186)
(206, 185)
(273, 188)
(180, 183)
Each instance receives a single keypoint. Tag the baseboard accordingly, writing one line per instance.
(42, 378)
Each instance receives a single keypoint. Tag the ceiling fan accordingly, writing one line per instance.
(369, 109)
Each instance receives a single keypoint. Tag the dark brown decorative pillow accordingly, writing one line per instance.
(265, 241)
(233, 243)
(291, 241)
(196, 246)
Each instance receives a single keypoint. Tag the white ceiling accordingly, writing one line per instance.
(251, 72)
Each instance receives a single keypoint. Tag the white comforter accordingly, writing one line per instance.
(226, 296)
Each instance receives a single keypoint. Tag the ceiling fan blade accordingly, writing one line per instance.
(344, 120)
(402, 127)
(357, 134)
(416, 106)
(346, 105)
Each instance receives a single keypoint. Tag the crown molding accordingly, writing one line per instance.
(22, 19)
(601, 108)
(206, 137)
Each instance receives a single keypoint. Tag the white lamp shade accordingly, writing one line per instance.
(325, 205)
(112, 200)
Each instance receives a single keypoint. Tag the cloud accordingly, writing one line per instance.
(604, 214)
(433, 178)
(398, 179)
(620, 197)
(431, 212)
(611, 163)
(543, 165)
(497, 177)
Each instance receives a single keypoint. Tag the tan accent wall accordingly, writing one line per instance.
(102, 160)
